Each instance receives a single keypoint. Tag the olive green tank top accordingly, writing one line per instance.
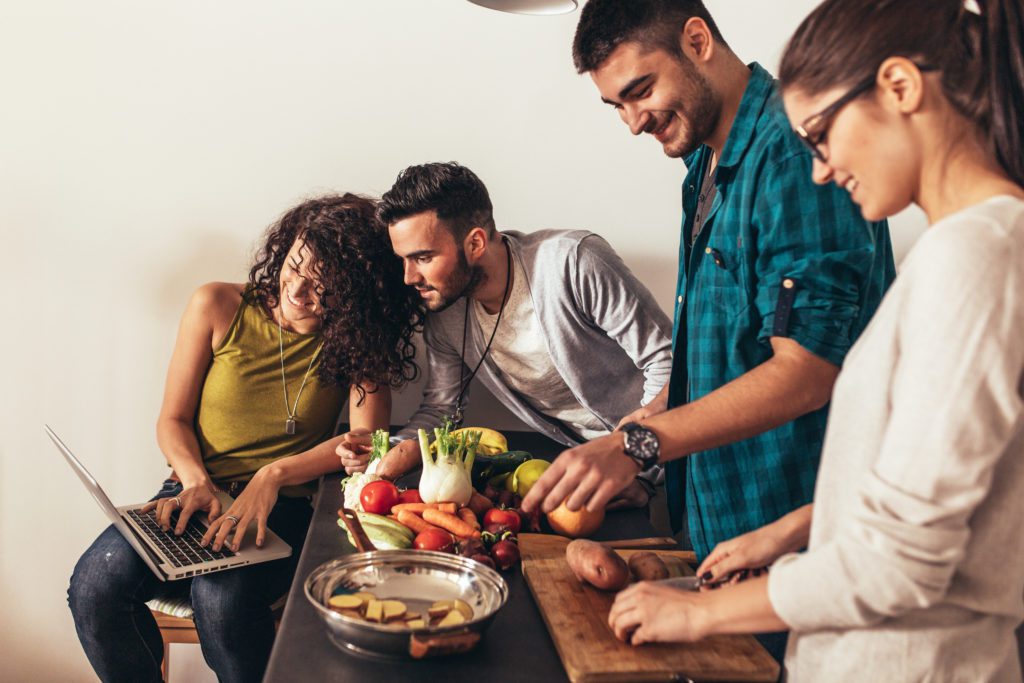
(241, 418)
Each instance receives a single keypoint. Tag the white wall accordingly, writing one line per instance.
(143, 148)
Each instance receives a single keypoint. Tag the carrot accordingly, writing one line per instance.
(420, 507)
(466, 515)
(414, 521)
(450, 522)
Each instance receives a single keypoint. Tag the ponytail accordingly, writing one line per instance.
(1004, 76)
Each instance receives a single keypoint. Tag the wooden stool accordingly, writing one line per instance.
(174, 630)
(183, 630)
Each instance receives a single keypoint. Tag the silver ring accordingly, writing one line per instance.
(177, 501)
(234, 519)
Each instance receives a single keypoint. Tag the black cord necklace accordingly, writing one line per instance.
(464, 384)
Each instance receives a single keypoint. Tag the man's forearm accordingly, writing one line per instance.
(776, 392)
(427, 417)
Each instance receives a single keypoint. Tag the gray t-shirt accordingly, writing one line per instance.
(521, 354)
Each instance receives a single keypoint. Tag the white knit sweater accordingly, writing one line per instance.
(915, 569)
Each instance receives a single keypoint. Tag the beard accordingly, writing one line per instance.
(462, 282)
(700, 115)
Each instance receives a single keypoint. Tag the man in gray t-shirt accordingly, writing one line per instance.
(551, 322)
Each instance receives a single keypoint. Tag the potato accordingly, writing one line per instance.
(648, 567)
(453, 618)
(440, 609)
(597, 565)
(375, 611)
(347, 602)
(462, 608)
(392, 609)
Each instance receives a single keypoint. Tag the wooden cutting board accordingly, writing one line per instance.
(577, 619)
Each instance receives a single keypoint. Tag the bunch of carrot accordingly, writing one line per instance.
(459, 521)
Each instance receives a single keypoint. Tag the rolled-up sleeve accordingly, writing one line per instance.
(955, 406)
(814, 262)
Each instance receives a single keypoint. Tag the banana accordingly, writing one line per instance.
(491, 442)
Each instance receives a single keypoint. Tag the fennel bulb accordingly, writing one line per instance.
(446, 477)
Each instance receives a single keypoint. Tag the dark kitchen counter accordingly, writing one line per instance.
(516, 647)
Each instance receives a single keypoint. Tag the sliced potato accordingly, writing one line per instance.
(463, 608)
(365, 596)
(453, 618)
(392, 609)
(416, 623)
(409, 616)
(351, 602)
(438, 611)
(375, 611)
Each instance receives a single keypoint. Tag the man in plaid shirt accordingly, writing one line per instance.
(777, 278)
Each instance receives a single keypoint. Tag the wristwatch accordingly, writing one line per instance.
(641, 444)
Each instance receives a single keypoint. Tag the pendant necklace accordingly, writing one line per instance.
(289, 424)
(457, 416)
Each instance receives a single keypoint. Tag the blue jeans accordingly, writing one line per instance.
(111, 584)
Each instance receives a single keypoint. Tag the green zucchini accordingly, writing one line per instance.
(489, 466)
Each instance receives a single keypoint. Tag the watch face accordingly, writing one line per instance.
(642, 443)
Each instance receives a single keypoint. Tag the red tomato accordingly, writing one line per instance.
(509, 518)
(410, 496)
(434, 539)
(379, 497)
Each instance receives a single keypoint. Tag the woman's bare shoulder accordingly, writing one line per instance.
(216, 302)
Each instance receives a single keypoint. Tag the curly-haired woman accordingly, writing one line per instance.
(255, 385)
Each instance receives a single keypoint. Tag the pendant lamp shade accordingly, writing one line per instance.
(530, 6)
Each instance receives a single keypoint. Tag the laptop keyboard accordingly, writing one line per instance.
(180, 550)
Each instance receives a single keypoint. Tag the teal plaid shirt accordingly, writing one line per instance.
(778, 256)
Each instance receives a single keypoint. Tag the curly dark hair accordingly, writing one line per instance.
(456, 193)
(655, 24)
(369, 315)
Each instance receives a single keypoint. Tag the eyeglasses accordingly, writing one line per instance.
(814, 130)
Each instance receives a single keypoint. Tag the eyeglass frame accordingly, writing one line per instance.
(831, 111)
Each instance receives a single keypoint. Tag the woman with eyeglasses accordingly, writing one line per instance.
(915, 564)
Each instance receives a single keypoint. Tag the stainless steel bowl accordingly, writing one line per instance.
(417, 578)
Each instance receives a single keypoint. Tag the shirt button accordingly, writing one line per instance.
(787, 283)
(707, 250)
(679, 299)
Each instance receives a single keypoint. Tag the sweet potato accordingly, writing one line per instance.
(479, 504)
(597, 565)
(648, 567)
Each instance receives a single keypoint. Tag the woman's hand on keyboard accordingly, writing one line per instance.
(253, 505)
(192, 499)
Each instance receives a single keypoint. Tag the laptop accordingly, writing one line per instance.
(173, 557)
